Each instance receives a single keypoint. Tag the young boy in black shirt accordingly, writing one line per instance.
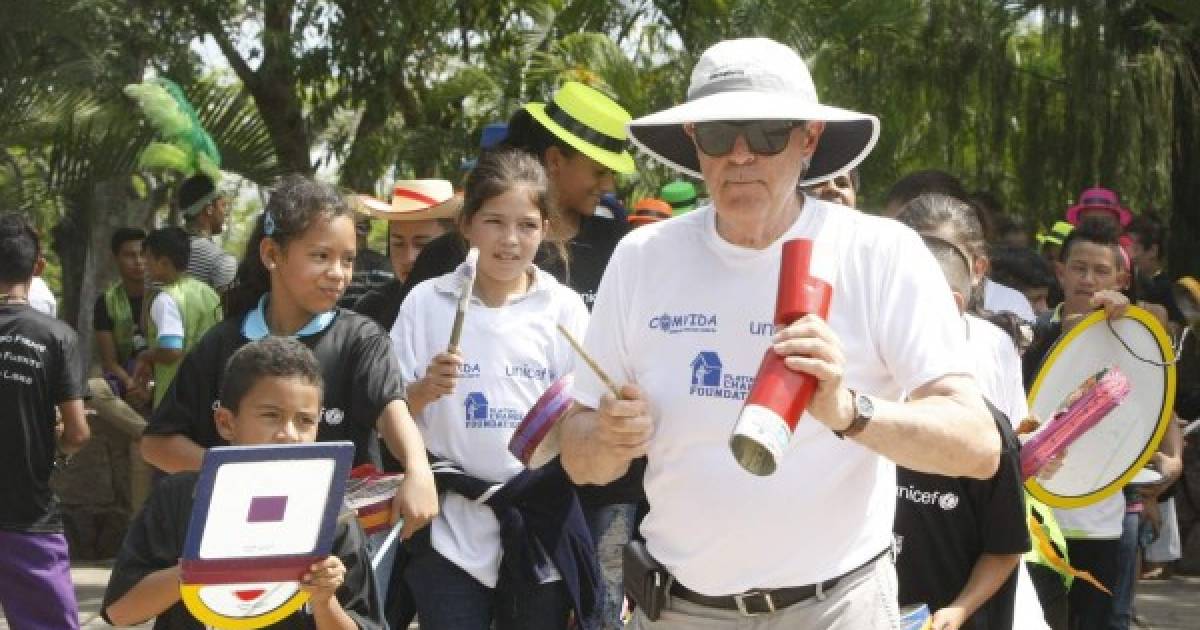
(40, 371)
(271, 395)
(961, 539)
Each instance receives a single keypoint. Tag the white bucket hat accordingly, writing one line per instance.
(755, 79)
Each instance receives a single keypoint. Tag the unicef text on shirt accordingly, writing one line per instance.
(684, 323)
(528, 372)
(947, 501)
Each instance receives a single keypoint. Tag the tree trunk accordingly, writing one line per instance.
(273, 86)
(363, 166)
(1185, 184)
(283, 115)
(81, 241)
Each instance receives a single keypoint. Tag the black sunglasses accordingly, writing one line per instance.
(764, 137)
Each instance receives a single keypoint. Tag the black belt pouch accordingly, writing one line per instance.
(646, 581)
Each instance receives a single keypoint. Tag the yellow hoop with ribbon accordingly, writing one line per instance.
(1108, 456)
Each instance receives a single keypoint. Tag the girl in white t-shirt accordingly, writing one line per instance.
(468, 404)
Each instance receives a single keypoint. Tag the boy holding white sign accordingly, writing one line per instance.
(271, 395)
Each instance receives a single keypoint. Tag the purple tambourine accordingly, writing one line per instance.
(529, 443)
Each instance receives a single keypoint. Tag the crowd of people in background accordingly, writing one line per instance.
(188, 355)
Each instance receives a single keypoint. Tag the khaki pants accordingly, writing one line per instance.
(865, 601)
(118, 414)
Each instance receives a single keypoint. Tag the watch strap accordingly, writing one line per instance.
(857, 424)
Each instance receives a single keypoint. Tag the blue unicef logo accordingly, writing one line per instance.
(476, 406)
(706, 370)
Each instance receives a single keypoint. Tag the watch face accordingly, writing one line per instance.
(866, 408)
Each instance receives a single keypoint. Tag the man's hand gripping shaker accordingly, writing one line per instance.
(780, 395)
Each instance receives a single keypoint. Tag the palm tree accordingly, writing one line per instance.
(84, 173)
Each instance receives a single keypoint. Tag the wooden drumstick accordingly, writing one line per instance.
(590, 361)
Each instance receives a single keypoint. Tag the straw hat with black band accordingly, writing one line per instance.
(589, 122)
(756, 79)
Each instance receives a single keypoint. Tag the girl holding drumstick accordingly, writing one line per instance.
(468, 404)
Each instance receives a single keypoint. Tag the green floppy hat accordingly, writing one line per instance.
(680, 194)
(590, 122)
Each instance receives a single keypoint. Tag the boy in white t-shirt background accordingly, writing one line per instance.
(180, 313)
(1091, 273)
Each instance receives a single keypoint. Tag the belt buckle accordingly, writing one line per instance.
(740, 600)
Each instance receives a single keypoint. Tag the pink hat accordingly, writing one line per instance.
(1099, 199)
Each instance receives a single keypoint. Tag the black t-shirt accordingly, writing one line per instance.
(40, 367)
(360, 372)
(588, 254)
(1046, 332)
(383, 304)
(102, 321)
(155, 542)
(943, 524)
(371, 271)
(1157, 290)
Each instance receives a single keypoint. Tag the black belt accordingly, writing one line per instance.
(765, 602)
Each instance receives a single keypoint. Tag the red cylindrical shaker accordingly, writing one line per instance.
(780, 395)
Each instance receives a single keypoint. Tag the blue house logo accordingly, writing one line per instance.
(711, 379)
(477, 406)
(706, 370)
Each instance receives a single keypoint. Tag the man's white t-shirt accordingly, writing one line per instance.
(997, 368)
(999, 298)
(511, 356)
(688, 316)
(167, 321)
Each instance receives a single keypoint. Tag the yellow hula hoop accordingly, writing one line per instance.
(190, 594)
(1033, 485)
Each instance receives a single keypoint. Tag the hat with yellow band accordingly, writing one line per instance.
(588, 121)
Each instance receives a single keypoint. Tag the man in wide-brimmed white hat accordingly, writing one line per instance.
(684, 316)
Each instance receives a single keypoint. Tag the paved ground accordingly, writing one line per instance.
(1172, 604)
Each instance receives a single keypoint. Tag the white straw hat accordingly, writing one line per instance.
(416, 200)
